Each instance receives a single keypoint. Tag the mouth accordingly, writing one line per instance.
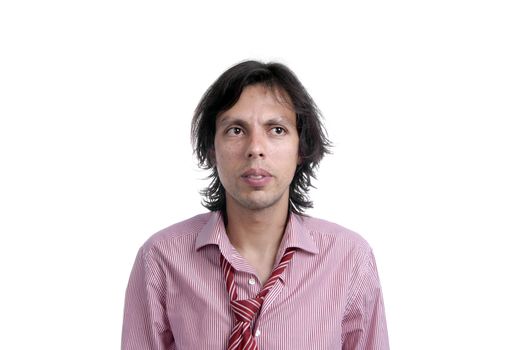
(256, 173)
(256, 177)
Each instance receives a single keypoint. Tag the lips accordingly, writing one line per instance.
(256, 172)
(256, 177)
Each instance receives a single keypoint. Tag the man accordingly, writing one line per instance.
(255, 272)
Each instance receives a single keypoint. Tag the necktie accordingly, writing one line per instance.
(245, 310)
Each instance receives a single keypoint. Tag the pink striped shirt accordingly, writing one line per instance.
(329, 297)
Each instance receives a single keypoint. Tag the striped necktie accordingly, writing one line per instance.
(245, 310)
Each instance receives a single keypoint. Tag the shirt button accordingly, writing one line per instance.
(252, 281)
(257, 334)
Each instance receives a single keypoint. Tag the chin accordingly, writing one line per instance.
(258, 203)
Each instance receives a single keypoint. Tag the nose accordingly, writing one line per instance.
(256, 145)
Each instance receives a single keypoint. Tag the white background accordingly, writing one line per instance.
(423, 101)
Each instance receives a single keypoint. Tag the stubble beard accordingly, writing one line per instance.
(256, 204)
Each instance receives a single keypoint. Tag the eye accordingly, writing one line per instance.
(234, 131)
(278, 130)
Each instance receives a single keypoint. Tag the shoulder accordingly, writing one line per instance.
(326, 232)
(342, 249)
(183, 231)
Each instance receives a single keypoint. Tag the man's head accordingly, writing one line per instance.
(260, 133)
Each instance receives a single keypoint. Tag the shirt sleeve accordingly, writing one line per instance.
(145, 323)
(364, 326)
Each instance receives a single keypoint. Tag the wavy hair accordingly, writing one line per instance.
(225, 92)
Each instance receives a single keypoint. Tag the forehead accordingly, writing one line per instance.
(260, 100)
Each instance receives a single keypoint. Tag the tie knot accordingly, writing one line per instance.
(245, 309)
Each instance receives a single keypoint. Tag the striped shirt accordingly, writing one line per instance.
(329, 297)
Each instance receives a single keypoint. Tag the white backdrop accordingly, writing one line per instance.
(423, 101)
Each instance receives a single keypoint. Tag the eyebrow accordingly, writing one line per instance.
(230, 120)
(234, 120)
(277, 120)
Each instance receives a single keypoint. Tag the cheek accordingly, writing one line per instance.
(288, 151)
(224, 156)
(288, 160)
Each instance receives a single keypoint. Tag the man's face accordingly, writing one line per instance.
(256, 149)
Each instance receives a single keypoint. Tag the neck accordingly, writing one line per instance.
(256, 234)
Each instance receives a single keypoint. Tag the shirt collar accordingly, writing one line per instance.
(211, 232)
(296, 234)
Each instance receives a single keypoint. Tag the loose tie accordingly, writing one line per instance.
(246, 309)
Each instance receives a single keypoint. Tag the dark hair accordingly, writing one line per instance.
(225, 92)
